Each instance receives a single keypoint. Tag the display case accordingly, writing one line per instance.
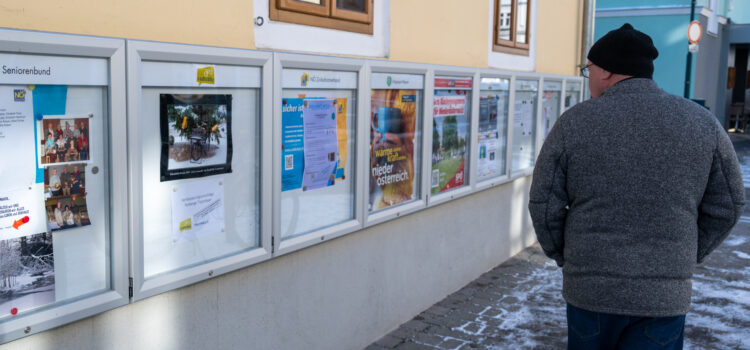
(198, 128)
(573, 93)
(551, 105)
(317, 167)
(451, 134)
(492, 131)
(525, 111)
(395, 152)
(63, 189)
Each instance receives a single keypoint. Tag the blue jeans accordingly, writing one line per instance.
(596, 330)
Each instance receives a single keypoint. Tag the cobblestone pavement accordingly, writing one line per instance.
(518, 304)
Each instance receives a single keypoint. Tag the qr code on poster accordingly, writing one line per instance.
(435, 178)
(289, 162)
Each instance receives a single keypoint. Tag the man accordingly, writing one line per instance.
(631, 189)
(54, 183)
(59, 215)
(75, 180)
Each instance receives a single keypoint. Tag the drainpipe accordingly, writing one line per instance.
(587, 38)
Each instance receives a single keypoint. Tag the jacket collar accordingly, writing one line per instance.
(631, 85)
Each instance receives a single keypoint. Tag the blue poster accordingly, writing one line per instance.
(292, 144)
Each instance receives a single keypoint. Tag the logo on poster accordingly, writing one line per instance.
(388, 81)
(19, 95)
(304, 79)
(205, 75)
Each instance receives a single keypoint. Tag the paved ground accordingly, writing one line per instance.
(518, 304)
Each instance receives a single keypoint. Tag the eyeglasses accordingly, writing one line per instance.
(585, 70)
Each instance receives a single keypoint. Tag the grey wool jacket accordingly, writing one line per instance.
(630, 191)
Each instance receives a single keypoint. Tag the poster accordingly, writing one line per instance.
(197, 209)
(449, 140)
(292, 146)
(293, 135)
(320, 143)
(488, 153)
(65, 196)
(63, 139)
(21, 199)
(394, 122)
(27, 273)
(196, 135)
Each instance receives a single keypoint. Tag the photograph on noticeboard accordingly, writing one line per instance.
(64, 140)
(27, 273)
(65, 196)
(196, 135)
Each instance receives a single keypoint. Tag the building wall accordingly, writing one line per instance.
(343, 294)
(740, 11)
(708, 68)
(443, 32)
(348, 292)
(435, 31)
(224, 23)
(559, 40)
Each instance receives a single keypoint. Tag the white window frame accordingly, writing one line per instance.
(508, 61)
(311, 62)
(27, 42)
(138, 51)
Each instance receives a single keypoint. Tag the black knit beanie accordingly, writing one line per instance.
(625, 51)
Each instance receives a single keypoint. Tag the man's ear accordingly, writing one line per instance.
(606, 75)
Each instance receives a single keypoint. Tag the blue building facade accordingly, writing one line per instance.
(666, 21)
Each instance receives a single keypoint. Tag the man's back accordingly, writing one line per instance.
(633, 168)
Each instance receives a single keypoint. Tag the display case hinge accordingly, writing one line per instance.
(130, 287)
(273, 246)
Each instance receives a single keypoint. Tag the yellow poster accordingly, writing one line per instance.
(341, 131)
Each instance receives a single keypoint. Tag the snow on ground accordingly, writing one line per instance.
(744, 158)
(518, 305)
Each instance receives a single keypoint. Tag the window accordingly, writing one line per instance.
(347, 15)
(510, 32)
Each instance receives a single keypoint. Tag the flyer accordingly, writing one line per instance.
(21, 198)
(320, 143)
(487, 162)
(523, 115)
(292, 141)
(292, 145)
(342, 136)
(197, 209)
(392, 137)
(27, 273)
(449, 140)
(196, 135)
